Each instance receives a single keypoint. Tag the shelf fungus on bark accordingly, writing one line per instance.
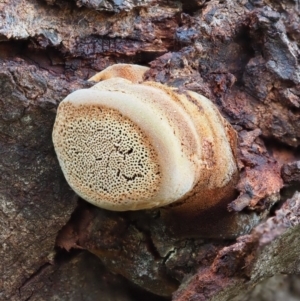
(125, 145)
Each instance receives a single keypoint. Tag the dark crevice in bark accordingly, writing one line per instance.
(34, 275)
(148, 239)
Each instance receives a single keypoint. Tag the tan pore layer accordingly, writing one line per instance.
(160, 131)
(99, 160)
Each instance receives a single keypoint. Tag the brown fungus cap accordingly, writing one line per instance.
(134, 73)
(126, 146)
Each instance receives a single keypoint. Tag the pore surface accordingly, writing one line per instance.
(106, 156)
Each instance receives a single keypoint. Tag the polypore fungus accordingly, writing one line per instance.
(128, 146)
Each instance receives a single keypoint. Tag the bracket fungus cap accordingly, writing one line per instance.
(128, 146)
(134, 73)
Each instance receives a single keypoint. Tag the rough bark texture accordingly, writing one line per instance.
(243, 55)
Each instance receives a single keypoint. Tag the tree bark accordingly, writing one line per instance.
(243, 55)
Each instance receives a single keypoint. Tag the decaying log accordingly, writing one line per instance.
(243, 55)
